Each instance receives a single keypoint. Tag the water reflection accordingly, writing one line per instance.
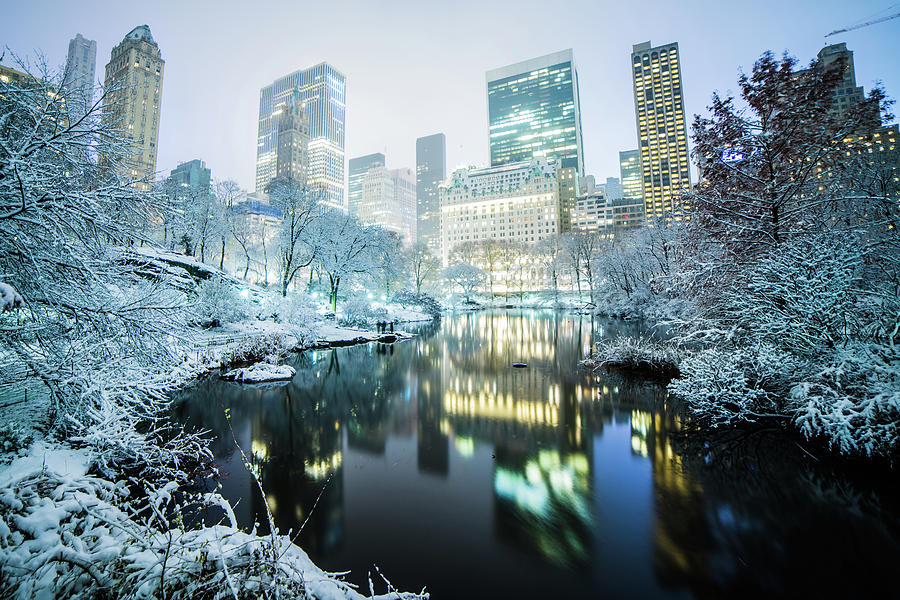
(449, 468)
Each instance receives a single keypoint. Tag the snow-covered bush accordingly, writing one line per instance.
(422, 302)
(14, 437)
(358, 312)
(638, 354)
(271, 348)
(219, 303)
(296, 311)
(732, 385)
(75, 536)
(853, 401)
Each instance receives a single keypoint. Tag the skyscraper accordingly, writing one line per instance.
(133, 81)
(81, 64)
(431, 170)
(630, 173)
(389, 201)
(534, 111)
(358, 167)
(661, 129)
(322, 94)
(291, 155)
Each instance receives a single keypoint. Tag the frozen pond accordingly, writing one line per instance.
(448, 468)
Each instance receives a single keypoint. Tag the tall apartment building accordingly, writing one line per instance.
(322, 94)
(81, 64)
(848, 94)
(516, 202)
(357, 170)
(431, 170)
(534, 111)
(133, 80)
(389, 201)
(661, 129)
(630, 174)
(292, 141)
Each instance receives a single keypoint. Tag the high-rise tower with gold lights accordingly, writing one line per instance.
(133, 81)
(661, 129)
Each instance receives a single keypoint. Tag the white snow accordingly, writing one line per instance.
(9, 297)
(260, 372)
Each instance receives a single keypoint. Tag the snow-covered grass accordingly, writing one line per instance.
(638, 354)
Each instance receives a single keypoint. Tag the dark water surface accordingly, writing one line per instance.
(447, 468)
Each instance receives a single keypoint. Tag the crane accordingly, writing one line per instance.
(861, 25)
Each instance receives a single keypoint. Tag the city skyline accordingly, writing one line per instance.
(439, 88)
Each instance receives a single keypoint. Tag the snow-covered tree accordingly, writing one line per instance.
(301, 210)
(228, 194)
(423, 265)
(345, 248)
(469, 278)
(791, 253)
(96, 326)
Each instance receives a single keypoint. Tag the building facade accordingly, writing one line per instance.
(630, 174)
(534, 111)
(568, 181)
(133, 80)
(80, 76)
(389, 201)
(292, 153)
(357, 169)
(661, 129)
(598, 213)
(322, 94)
(192, 174)
(614, 189)
(847, 94)
(513, 202)
(431, 170)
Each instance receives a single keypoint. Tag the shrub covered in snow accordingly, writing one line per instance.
(75, 536)
(14, 438)
(358, 312)
(9, 298)
(422, 302)
(638, 354)
(296, 311)
(219, 303)
(730, 385)
(270, 348)
(853, 400)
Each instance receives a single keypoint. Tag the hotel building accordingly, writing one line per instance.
(515, 202)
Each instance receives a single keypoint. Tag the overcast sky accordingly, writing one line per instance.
(416, 68)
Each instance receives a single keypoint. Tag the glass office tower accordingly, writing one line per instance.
(534, 111)
(358, 167)
(322, 92)
(431, 170)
